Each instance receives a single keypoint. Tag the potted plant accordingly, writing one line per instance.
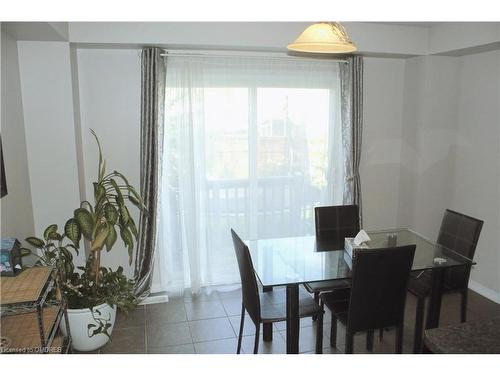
(93, 292)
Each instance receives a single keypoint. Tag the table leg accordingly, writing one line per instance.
(267, 332)
(292, 319)
(434, 309)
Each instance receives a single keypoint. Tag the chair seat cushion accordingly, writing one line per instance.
(337, 302)
(323, 286)
(273, 305)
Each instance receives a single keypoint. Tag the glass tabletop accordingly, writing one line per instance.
(296, 260)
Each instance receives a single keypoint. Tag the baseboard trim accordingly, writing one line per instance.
(155, 298)
(484, 291)
(157, 289)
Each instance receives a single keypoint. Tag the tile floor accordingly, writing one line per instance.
(208, 324)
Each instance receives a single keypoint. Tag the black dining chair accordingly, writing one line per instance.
(377, 297)
(460, 233)
(333, 225)
(265, 307)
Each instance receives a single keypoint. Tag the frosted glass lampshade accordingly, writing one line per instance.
(323, 37)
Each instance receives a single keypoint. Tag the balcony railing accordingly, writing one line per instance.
(267, 207)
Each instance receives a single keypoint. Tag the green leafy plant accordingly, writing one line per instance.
(99, 224)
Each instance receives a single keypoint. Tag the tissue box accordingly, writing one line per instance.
(351, 248)
(347, 260)
(10, 257)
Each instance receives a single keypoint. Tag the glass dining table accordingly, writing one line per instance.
(292, 261)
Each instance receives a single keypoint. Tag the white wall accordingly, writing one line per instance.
(435, 137)
(411, 119)
(477, 160)
(17, 214)
(110, 83)
(450, 152)
(382, 127)
(50, 131)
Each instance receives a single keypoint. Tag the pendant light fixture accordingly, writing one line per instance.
(323, 37)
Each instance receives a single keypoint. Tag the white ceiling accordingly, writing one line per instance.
(389, 39)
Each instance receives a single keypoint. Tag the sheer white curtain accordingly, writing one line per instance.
(251, 144)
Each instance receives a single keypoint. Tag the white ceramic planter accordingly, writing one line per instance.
(81, 334)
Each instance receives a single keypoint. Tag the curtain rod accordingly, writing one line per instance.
(250, 55)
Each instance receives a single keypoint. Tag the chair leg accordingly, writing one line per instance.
(380, 334)
(399, 339)
(316, 299)
(267, 329)
(369, 340)
(256, 344)
(333, 332)
(319, 334)
(463, 306)
(419, 324)
(242, 322)
(349, 342)
(426, 350)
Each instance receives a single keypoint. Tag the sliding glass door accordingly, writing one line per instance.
(250, 144)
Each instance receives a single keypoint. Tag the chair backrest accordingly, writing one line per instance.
(459, 233)
(249, 288)
(335, 223)
(378, 292)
